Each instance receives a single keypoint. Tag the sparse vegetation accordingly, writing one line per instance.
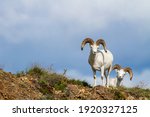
(48, 81)
(20, 73)
(41, 83)
(139, 92)
(135, 93)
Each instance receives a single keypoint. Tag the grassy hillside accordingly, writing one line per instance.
(39, 83)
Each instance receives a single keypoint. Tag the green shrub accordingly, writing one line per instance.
(21, 73)
(119, 95)
(78, 82)
(37, 71)
(60, 86)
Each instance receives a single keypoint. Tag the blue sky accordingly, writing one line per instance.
(50, 32)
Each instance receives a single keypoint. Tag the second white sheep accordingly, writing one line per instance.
(121, 72)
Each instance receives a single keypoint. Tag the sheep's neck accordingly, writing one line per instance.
(92, 58)
(118, 82)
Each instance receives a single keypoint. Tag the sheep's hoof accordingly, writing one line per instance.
(93, 86)
(107, 86)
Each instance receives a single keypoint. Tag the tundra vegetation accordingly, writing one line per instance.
(41, 83)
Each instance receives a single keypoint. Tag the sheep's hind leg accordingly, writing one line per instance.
(105, 74)
(107, 81)
(107, 78)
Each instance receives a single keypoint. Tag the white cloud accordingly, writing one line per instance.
(41, 19)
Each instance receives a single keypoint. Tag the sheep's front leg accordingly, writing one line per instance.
(102, 75)
(94, 76)
(107, 78)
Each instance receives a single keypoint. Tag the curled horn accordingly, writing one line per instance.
(101, 41)
(129, 70)
(85, 41)
(116, 66)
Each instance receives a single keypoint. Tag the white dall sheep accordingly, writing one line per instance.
(121, 72)
(100, 60)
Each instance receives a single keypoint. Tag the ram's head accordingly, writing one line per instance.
(122, 71)
(94, 45)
